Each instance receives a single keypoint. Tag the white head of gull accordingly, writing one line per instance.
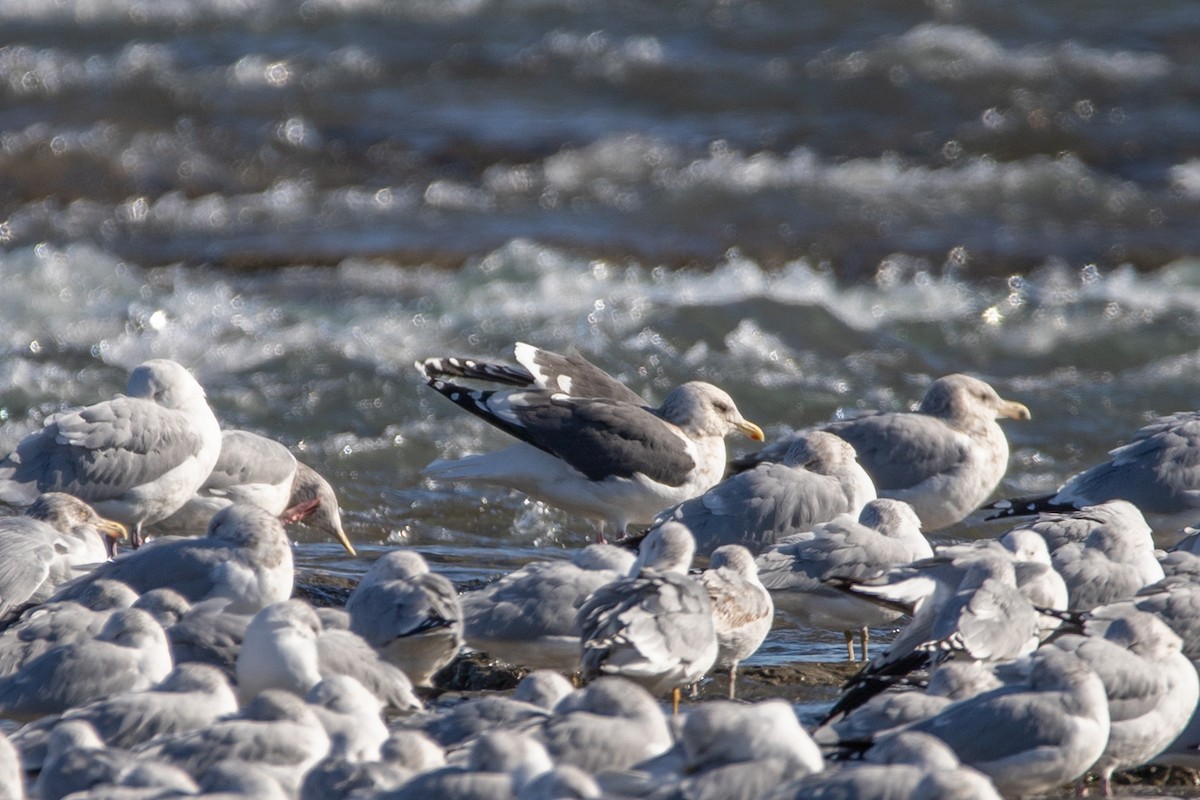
(136, 458)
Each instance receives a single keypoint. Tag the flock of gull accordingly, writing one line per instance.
(182, 667)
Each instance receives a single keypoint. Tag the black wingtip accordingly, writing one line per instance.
(1029, 506)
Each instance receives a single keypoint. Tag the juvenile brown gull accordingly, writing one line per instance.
(613, 461)
(944, 459)
(58, 535)
(815, 480)
(136, 458)
(260, 471)
(742, 607)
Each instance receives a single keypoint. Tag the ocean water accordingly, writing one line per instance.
(821, 207)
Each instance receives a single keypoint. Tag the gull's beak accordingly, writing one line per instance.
(112, 529)
(303, 510)
(1013, 410)
(754, 432)
(344, 541)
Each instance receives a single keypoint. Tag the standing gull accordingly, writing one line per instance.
(1158, 470)
(136, 458)
(655, 628)
(742, 607)
(944, 459)
(885, 534)
(816, 479)
(260, 471)
(245, 558)
(613, 461)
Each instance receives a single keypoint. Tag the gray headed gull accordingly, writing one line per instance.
(528, 616)
(136, 458)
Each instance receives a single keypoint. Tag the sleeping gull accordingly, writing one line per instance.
(260, 471)
(129, 653)
(656, 627)
(1104, 553)
(613, 461)
(57, 534)
(741, 606)
(885, 534)
(529, 706)
(498, 766)
(136, 458)
(246, 558)
(528, 616)
(1158, 470)
(1030, 736)
(944, 459)
(283, 649)
(815, 480)
(1151, 685)
(609, 724)
(191, 696)
(407, 613)
(538, 369)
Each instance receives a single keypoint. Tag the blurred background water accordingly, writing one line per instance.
(821, 206)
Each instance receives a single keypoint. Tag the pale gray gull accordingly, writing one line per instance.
(530, 705)
(263, 472)
(1034, 735)
(352, 716)
(57, 536)
(905, 766)
(409, 614)
(815, 480)
(49, 625)
(1104, 553)
(609, 724)
(245, 558)
(191, 696)
(986, 619)
(1158, 470)
(728, 750)
(282, 649)
(527, 617)
(742, 609)
(945, 458)
(1151, 685)
(612, 461)
(404, 754)
(136, 458)
(498, 766)
(886, 533)
(129, 653)
(277, 732)
(655, 628)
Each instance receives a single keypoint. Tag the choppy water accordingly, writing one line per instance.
(821, 206)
